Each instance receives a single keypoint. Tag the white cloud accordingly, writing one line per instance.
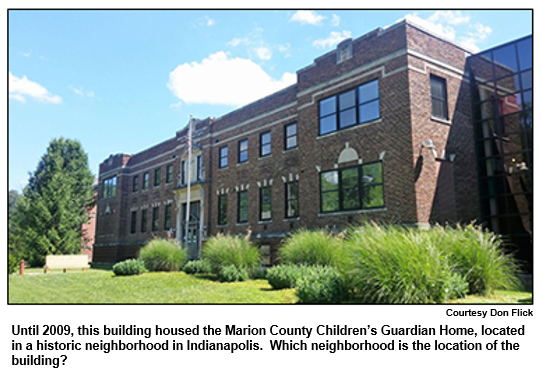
(21, 88)
(454, 26)
(440, 29)
(480, 33)
(334, 38)
(449, 17)
(205, 21)
(81, 92)
(335, 20)
(220, 79)
(307, 17)
(263, 53)
(255, 43)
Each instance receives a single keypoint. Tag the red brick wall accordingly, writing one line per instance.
(402, 58)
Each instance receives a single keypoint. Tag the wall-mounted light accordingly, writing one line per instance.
(430, 146)
(444, 156)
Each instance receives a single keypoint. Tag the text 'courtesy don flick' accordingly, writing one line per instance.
(40, 345)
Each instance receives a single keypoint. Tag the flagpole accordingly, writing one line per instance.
(189, 179)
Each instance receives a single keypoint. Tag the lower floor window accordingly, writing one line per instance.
(155, 214)
(352, 188)
(242, 207)
(265, 203)
(223, 209)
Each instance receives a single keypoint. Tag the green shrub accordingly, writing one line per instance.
(225, 250)
(259, 272)
(394, 265)
(479, 256)
(456, 286)
(197, 267)
(232, 273)
(163, 255)
(129, 267)
(12, 264)
(320, 284)
(284, 276)
(306, 247)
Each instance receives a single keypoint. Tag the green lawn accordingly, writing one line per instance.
(101, 286)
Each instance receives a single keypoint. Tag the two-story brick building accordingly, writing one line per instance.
(380, 128)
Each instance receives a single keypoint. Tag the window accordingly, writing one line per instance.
(355, 106)
(292, 199)
(157, 177)
(198, 168)
(133, 222)
(167, 217)
(145, 181)
(222, 209)
(352, 188)
(290, 136)
(135, 181)
(144, 220)
(265, 144)
(243, 151)
(169, 174)
(439, 100)
(369, 102)
(242, 207)
(223, 157)
(183, 172)
(265, 203)
(155, 214)
(109, 187)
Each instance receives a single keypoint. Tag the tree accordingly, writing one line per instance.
(14, 198)
(53, 206)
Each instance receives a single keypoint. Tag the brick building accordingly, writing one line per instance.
(380, 128)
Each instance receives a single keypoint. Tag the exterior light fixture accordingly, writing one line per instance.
(430, 146)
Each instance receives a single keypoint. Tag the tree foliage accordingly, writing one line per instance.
(54, 204)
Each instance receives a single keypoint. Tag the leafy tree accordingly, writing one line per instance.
(13, 199)
(53, 206)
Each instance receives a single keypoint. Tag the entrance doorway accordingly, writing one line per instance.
(193, 230)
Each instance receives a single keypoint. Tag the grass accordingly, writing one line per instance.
(102, 287)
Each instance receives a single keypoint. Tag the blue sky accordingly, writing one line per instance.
(122, 81)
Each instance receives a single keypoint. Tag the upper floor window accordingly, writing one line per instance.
(157, 177)
(265, 144)
(109, 187)
(198, 168)
(290, 136)
(439, 98)
(169, 174)
(145, 180)
(243, 151)
(355, 106)
(223, 157)
(135, 182)
(352, 188)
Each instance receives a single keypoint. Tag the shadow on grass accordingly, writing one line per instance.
(101, 266)
(207, 277)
